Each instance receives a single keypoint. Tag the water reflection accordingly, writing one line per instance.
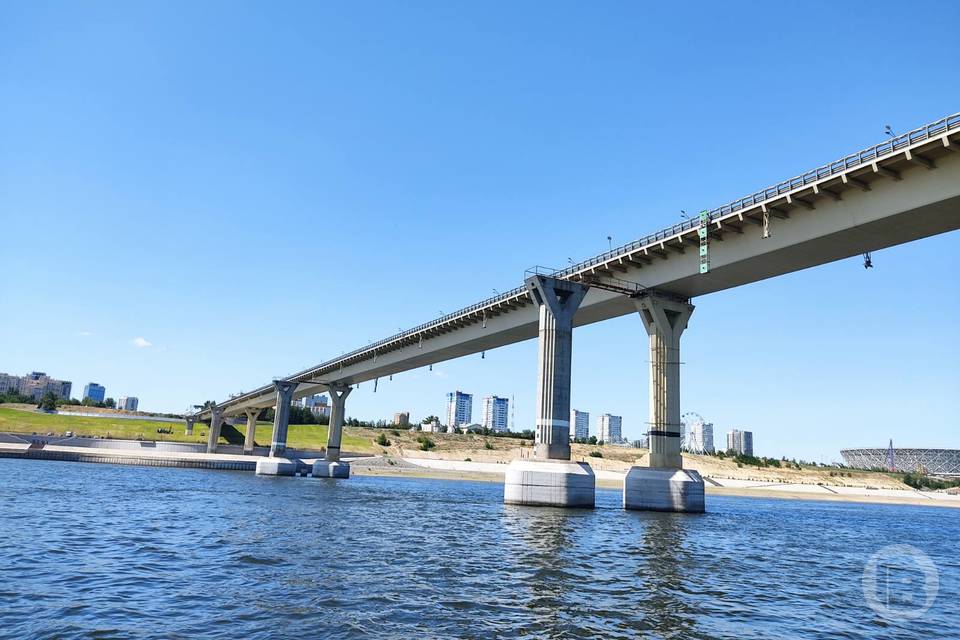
(541, 542)
(661, 558)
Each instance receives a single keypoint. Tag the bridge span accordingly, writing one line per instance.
(903, 189)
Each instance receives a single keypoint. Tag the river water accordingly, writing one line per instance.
(100, 551)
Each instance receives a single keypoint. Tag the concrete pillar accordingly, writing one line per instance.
(665, 319)
(281, 417)
(216, 420)
(664, 485)
(330, 466)
(251, 430)
(189, 430)
(551, 479)
(558, 301)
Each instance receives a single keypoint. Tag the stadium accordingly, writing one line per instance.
(933, 461)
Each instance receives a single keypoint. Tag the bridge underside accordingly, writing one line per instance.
(872, 207)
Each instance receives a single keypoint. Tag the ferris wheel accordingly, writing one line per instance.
(691, 432)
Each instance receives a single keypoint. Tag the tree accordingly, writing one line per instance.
(49, 402)
(429, 419)
(592, 440)
(110, 403)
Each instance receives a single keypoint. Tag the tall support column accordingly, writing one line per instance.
(189, 430)
(216, 420)
(665, 320)
(248, 439)
(330, 466)
(550, 479)
(558, 301)
(338, 400)
(277, 464)
(664, 485)
(281, 417)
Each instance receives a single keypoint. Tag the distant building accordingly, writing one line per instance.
(318, 404)
(9, 383)
(37, 384)
(94, 391)
(579, 424)
(740, 442)
(700, 438)
(128, 403)
(496, 413)
(609, 428)
(401, 419)
(459, 408)
(431, 427)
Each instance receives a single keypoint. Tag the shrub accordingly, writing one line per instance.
(395, 432)
(596, 454)
(382, 440)
(468, 459)
(426, 443)
(487, 445)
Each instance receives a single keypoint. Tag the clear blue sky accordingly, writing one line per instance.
(252, 188)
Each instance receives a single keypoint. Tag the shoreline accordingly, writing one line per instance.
(434, 469)
(910, 498)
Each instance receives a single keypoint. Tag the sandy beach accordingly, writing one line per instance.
(606, 479)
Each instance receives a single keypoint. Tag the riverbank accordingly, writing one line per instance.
(149, 455)
(494, 472)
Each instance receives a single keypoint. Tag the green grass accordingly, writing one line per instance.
(21, 421)
(299, 436)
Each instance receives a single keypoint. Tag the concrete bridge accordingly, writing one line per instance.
(903, 189)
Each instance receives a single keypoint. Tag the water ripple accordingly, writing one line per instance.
(97, 551)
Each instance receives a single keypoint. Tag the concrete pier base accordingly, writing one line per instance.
(650, 489)
(276, 467)
(549, 483)
(327, 469)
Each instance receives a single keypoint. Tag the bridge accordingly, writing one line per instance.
(903, 189)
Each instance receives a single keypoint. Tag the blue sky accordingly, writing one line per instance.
(252, 188)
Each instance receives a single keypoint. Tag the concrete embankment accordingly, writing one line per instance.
(185, 460)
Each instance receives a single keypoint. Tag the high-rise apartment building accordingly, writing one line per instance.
(37, 384)
(94, 391)
(496, 413)
(700, 438)
(401, 419)
(740, 442)
(579, 424)
(459, 408)
(609, 428)
(128, 403)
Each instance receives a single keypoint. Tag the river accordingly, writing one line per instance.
(102, 551)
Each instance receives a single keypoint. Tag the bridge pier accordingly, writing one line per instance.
(664, 485)
(189, 430)
(330, 466)
(216, 421)
(248, 439)
(551, 478)
(277, 464)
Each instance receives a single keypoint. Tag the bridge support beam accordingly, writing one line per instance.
(248, 438)
(551, 479)
(213, 435)
(189, 429)
(281, 417)
(330, 466)
(664, 485)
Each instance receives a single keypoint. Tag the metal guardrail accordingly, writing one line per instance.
(859, 158)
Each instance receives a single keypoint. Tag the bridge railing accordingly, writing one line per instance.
(859, 158)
